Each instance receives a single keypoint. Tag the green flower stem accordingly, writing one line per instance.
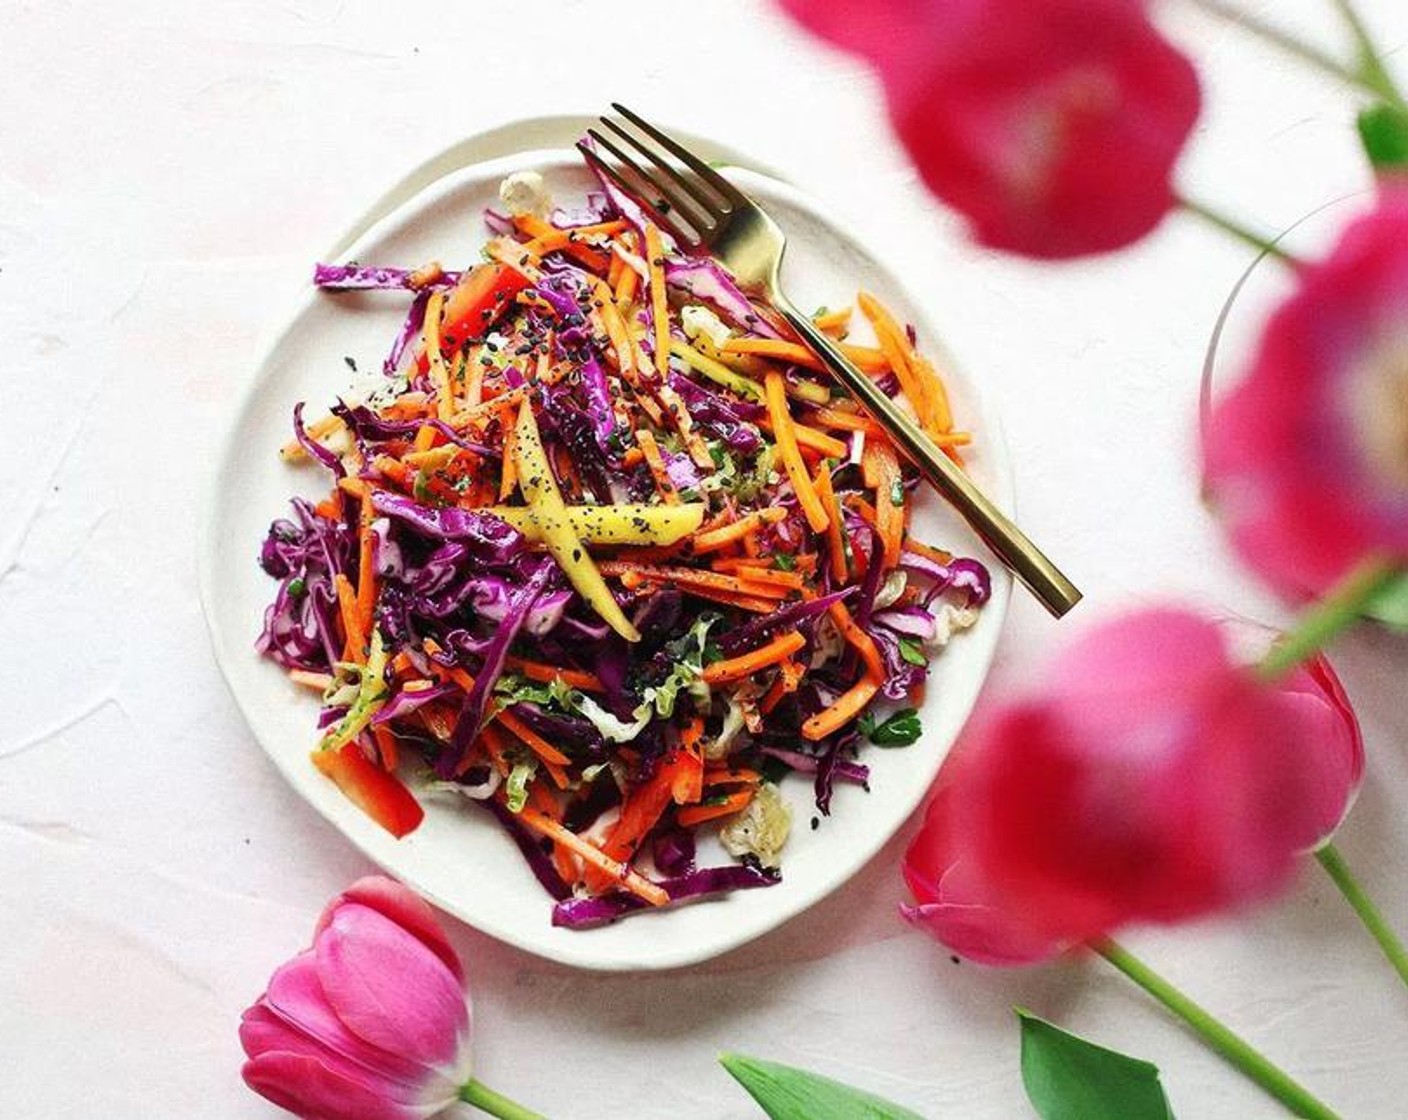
(495, 1104)
(1232, 1047)
(1394, 949)
(1218, 220)
(1369, 77)
(1372, 71)
(1343, 606)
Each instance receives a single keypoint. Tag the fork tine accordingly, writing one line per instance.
(696, 214)
(663, 220)
(702, 204)
(726, 189)
(669, 221)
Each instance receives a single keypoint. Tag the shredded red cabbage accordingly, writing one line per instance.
(355, 277)
(709, 882)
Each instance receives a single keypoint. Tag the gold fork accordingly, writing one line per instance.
(704, 210)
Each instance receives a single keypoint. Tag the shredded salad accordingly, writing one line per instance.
(607, 554)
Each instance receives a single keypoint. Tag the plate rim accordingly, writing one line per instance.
(556, 133)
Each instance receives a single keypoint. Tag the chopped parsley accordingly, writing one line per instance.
(899, 730)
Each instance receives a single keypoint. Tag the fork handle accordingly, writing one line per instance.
(1057, 593)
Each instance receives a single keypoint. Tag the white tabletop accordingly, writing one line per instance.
(167, 174)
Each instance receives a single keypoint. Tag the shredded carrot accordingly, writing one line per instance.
(812, 440)
(659, 307)
(847, 707)
(316, 681)
(714, 595)
(864, 644)
(366, 565)
(688, 786)
(330, 508)
(745, 665)
(694, 443)
(439, 374)
(616, 331)
(535, 742)
(432, 459)
(641, 810)
(937, 392)
(937, 555)
(849, 421)
(882, 470)
(645, 440)
(772, 577)
(473, 382)
(835, 538)
(508, 475)
(791, 457)
(547, 238)
(318, 430)
(534, 300)
(629, 280)
(789, 676)
(572, 678)
(722, 537)
(485, 409)
(833, 321)
(804, 563)
(542, 799)
(688, 576)
(866, 358)
(633, 457)
(497, 747)
(698, 814)
(618, 872)
(917, 377)
(355, 647)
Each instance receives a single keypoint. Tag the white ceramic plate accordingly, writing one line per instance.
(459, 858)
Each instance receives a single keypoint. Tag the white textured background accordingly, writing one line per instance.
(168, 172)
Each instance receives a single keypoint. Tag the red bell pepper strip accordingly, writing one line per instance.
(475, 304)
(376, 792)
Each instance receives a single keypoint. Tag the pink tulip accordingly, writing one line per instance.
(1152, 778)
(956, 905)
(1051, 125)
(1306, 460)
(372, 1022)
(1315, 699)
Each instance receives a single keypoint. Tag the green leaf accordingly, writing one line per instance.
(1390, 605)
(787, 1093)
(912, 650)
(900, 730)
(1383, 130)
(1067, 1078)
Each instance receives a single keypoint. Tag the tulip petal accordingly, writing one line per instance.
(296, 996)
(1332, 744)
(1051, 125)
(1135, 660)
(1304, 457)
(404, 907)
(265, 1031)
(1154, 778)
(956, 907)
(389, 989)
(310, 1089)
